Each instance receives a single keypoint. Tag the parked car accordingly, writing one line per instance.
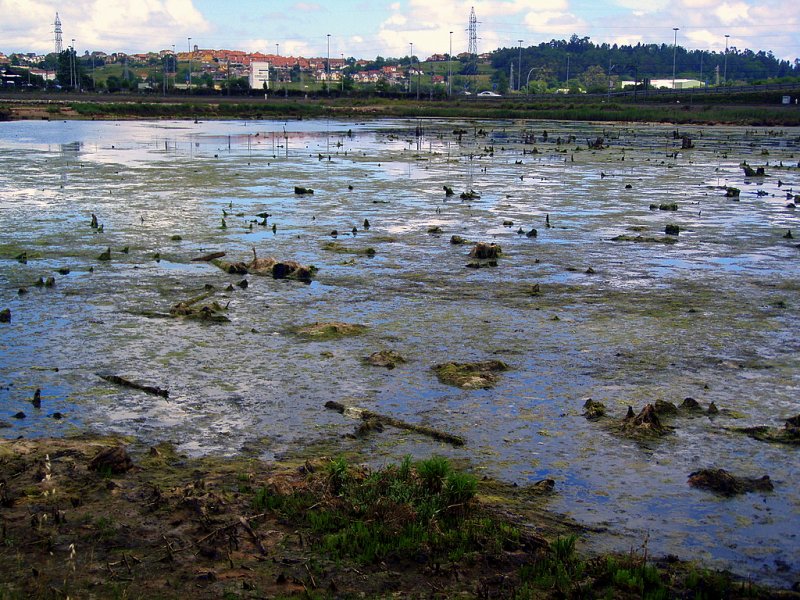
(488, 93)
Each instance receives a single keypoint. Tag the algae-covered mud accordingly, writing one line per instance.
(631, 271)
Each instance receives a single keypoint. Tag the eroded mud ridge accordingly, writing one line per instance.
(621, 264)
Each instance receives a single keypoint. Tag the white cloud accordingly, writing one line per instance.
(641, 7)
(307, 7)
(103, 25)
(554, 23)
(731, 13)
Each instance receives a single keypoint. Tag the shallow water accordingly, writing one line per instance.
(713, 316)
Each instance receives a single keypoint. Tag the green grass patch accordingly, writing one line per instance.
(401, 511)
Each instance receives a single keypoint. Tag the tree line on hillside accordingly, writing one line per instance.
(579, 61)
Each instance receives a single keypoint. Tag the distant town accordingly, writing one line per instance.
(560, 66)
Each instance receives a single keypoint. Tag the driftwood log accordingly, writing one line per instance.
(148, 389)
(368, 415)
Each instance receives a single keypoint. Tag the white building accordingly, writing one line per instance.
(259, 75)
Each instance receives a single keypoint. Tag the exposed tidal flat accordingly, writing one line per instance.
(601, 302)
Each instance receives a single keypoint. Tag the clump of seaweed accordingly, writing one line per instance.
(329, 330)
(471, 376)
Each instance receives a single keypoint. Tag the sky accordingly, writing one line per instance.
(366, 29)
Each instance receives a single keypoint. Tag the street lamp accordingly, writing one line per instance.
(610, 68)
(277, 51)
(519, 66)
(528, 80)
(725, 75)
(189, 89)
(72, 69)
(674, 53)
(328, 65)
(450, 68)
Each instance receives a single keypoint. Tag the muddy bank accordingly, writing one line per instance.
(108, 517)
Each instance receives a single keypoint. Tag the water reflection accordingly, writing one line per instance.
(710, 316)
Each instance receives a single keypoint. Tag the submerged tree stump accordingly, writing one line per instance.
(721, 482)
(112, 460)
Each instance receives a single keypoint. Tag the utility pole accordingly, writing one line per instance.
(328, 66)
(450, 68)
(189, 86)
(410, 65)
(73, 66)
(674, 54)
(341, 73)
(701, 68)
(519, 67)
(419, 70)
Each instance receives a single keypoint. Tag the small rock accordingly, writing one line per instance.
(385, 358)
(37, 398)
(594, 409)
(435, 229)
(483, 251)
(672, 230)
(691, 404)
(788, 235)
(243, 284)
(665, 408)
(367, 427)
(5, 315)
(457, 240)
(532, 233)
(712, 409)
(545, 486)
